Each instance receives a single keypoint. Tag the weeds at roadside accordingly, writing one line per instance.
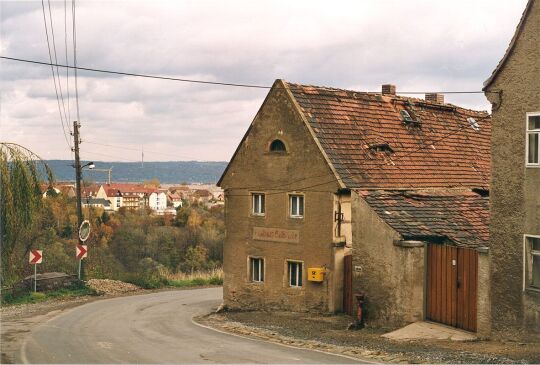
(77, 289)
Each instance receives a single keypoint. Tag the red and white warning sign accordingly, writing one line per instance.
(36, 256)
(81, 251)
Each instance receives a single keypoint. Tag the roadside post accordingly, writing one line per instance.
(81, 251)
(35, 257)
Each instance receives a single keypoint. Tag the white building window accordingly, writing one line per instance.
(296, 206)
(117, 203)
(294, 272)
(531, 264)
(533, 139)
(256, 269)
(257, 204)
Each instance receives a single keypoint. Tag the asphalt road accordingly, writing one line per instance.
(152, 328)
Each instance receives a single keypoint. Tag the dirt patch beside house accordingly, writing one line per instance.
(329, 333)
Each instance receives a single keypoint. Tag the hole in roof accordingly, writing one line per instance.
(406, 116)
(381, 147)
(474, 124)
(277, 146)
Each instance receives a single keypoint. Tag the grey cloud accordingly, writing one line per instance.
(359, 45)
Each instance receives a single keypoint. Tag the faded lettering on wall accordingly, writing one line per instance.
(276, 235)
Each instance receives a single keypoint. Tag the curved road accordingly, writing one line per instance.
(152, 328)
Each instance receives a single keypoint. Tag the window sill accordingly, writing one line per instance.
(528, 166)
(296, 217)
(257, 215)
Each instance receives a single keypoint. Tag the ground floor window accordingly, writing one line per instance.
(256, 267)
(532, 262)
(294, 273)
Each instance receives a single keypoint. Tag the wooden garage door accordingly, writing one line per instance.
(451, 286)
(348, 305)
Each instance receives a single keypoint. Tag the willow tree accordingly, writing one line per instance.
(21, 173)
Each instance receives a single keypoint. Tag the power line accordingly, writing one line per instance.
(206, 82)
(57, 68)
(53, 75)
(67, 60)
(74, 37)
(138, 75)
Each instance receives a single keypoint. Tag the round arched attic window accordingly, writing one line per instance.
(277, 146)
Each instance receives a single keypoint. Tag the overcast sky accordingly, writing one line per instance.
(417, 45)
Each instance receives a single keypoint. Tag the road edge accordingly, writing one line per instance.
(261, 338)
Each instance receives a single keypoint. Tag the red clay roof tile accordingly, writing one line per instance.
(461, 217)
(443, 151)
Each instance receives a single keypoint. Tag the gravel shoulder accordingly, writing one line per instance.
(329, 333)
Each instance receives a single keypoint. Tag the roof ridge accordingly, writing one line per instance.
(399, 98)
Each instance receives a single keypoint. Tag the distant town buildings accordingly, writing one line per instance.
(133, 196)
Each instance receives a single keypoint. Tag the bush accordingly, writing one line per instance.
(215, 280)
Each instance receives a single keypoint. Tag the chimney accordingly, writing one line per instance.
(435, 98)
(389, 89)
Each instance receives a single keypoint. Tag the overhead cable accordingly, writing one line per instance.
(121, 73)
(54, 76)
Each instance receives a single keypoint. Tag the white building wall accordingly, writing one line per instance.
(157, 201)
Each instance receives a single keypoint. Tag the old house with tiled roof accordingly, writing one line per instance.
(333, 192)
(514, 91)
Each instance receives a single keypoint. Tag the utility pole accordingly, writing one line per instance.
(78, 178)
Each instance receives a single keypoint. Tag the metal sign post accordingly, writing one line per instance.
(35, 257)
(81, 251)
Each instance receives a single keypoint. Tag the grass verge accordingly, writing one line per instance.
(75, 290)
(178, 280)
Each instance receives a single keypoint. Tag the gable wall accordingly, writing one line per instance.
(514, 196)
(254, 169)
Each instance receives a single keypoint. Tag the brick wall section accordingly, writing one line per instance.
(515, 201)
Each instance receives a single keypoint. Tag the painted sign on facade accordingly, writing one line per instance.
(276, 235)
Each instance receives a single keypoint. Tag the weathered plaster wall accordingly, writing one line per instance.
(392, 277)
(483, 305)
(254, 169)
(514, 196)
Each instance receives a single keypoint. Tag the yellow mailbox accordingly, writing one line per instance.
(316, 274)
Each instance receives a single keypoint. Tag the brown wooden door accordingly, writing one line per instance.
(347, 285)
(451, 286)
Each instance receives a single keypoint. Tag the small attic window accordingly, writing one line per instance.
(474, 124)
(277, 146)
(406, 116)
(409, 120)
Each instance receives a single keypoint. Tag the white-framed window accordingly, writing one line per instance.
(296, 206)
(533, 139)
(294, 273)
(531, 262)
(256, 269)
(117, 203)
(257, 204)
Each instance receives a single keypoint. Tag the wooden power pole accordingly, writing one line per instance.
(78, 178)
